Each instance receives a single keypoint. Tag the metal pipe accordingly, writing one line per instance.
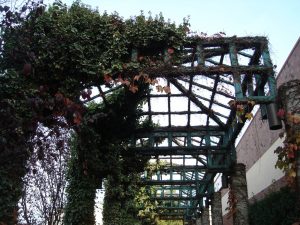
(274, 121)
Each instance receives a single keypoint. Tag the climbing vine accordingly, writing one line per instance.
(51, 60)
(287, 153)
(289, 113)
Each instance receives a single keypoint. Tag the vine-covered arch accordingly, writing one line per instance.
(130, 90)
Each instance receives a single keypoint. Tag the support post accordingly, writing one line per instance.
(198, 221)
(205, 216)
(289, 101)
(216, 209)
(239, 190)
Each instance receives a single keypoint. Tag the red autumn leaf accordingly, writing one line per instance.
(167, 89)
(154, 81)
(107, 78)
(133, 88)
(240, 108)
(137, 77)
(67, 102)
(170, 50)
(126, 82)
(27, 69)
(120, 79)
(281, 113)
(77, 118)
(291, 155)
(296, 119)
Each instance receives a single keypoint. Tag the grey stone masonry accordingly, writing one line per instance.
(205, 217)
(216, 209)
(289, 101)
(198, 221)
(238, 184)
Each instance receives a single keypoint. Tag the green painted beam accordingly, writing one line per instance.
(173, 182)
(180, 198)
(179, 150)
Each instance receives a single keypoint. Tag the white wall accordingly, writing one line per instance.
(261, 175)
(263, 172)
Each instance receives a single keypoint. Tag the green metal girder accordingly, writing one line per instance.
(180, 150)
(180, 198)
(173, 182)
(216, 142)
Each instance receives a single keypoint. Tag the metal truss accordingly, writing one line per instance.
(197, 126)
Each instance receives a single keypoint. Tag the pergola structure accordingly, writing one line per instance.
(213, 90)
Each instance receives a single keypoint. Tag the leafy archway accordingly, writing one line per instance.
(91, 73)
(52, 60)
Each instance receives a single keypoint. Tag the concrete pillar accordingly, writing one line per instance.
(205, 217)
(198, 221)
(216, 209)
(238, 185)
(289, 101)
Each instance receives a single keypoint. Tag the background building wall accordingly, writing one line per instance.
(256, 147)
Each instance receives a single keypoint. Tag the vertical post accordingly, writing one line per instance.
(205, 216)
(236, 76)
(268, 63)
(200, 55)
(198, 221)
(289, 100)
(216, 209)
(239, 188)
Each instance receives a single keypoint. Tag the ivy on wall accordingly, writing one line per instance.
(278, 208)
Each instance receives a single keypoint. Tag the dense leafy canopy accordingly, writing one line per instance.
(51, 59)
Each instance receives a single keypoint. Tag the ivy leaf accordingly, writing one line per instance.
(77, 118)
(281, 113)
(137, 77)
(249, 116)
(154, 81)
(133, 88)
(159, 88)
(291, 154)
(252, 103)
(167, 89)
(296, 119)
(107, 78)
(126, 82)
(170, 50)
(292, 173)
(232, 103)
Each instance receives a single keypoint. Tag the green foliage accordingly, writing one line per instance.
(169, 222)
(119, 208)
(14, 147)
(81, 193)
(49, 59)
(69, 49)
(278, 208)
(110, 126)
